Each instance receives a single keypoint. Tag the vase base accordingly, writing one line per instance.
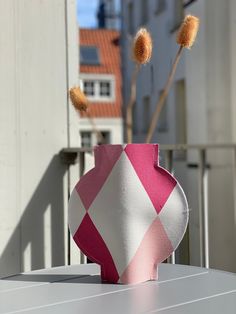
(133, 278)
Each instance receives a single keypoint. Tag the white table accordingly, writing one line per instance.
(77, 289)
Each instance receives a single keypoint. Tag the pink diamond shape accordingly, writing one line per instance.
(98, 175)
(91, 243)
(157, 182)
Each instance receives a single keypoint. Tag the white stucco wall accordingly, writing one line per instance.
(39, 61)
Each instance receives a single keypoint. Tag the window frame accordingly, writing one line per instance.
(93, 136)
(108, 88)
(88, 132)
(97, 79)
(92, 88)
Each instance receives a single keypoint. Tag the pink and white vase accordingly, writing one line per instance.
(127, 214)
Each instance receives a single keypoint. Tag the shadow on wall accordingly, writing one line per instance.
(31, 229)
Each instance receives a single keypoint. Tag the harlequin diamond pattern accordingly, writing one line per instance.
(127, 219)
(126, 226)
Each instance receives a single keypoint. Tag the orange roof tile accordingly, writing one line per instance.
(107, 42)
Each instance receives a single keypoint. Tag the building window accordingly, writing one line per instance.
(105, 138)
(89, 55)
(88, 88)
(86, 139)
(178, 14)
(144, 11)
(160, 6)
(162, 124)
(146, 113)
(181, 128)
(98, 88)
(152, 78)
(130, 18)
(105, 89)
(135, 119)
(91, 138)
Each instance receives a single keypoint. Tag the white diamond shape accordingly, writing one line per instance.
(76, 212)
(122, 212)
(174, 216)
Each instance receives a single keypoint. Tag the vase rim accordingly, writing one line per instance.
(124, 144)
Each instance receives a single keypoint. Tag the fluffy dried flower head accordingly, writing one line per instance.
(188, 31)
(78, 99)
(142, 46)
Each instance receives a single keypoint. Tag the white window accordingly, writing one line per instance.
(105, 89)
(98, 87)
(90, 138)
(88, 88)
(86, 139)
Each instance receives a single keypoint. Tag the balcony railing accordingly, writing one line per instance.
(203, 156)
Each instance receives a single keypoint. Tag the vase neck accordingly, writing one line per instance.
(108, 154)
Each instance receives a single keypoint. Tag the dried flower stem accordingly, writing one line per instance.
(142, 52)
(100, 138)
(129, 112)
(162, 98)
(81, 104)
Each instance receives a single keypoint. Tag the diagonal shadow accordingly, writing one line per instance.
(56, 278)
(31, 229)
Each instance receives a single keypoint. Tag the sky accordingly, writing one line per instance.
(86, 13)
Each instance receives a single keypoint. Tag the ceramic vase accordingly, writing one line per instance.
(127, 214)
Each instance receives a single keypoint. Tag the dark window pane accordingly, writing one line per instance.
(130, 18)
(161, 5)
(86, 139)
(89, 55)
(89, 88)
(144, 12)
(146, 113)
(162, 125)
(105, 89)
(105, 138)
(178, 15)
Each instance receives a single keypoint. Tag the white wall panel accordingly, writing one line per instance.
(9, 136)
(34, 128)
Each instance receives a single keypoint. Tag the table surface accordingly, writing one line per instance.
(78, 289)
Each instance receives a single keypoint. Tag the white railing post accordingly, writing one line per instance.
(234, 179)
(169, 167)
(203, 209)
(83, 258)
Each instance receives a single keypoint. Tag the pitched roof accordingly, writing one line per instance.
(107, 42)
